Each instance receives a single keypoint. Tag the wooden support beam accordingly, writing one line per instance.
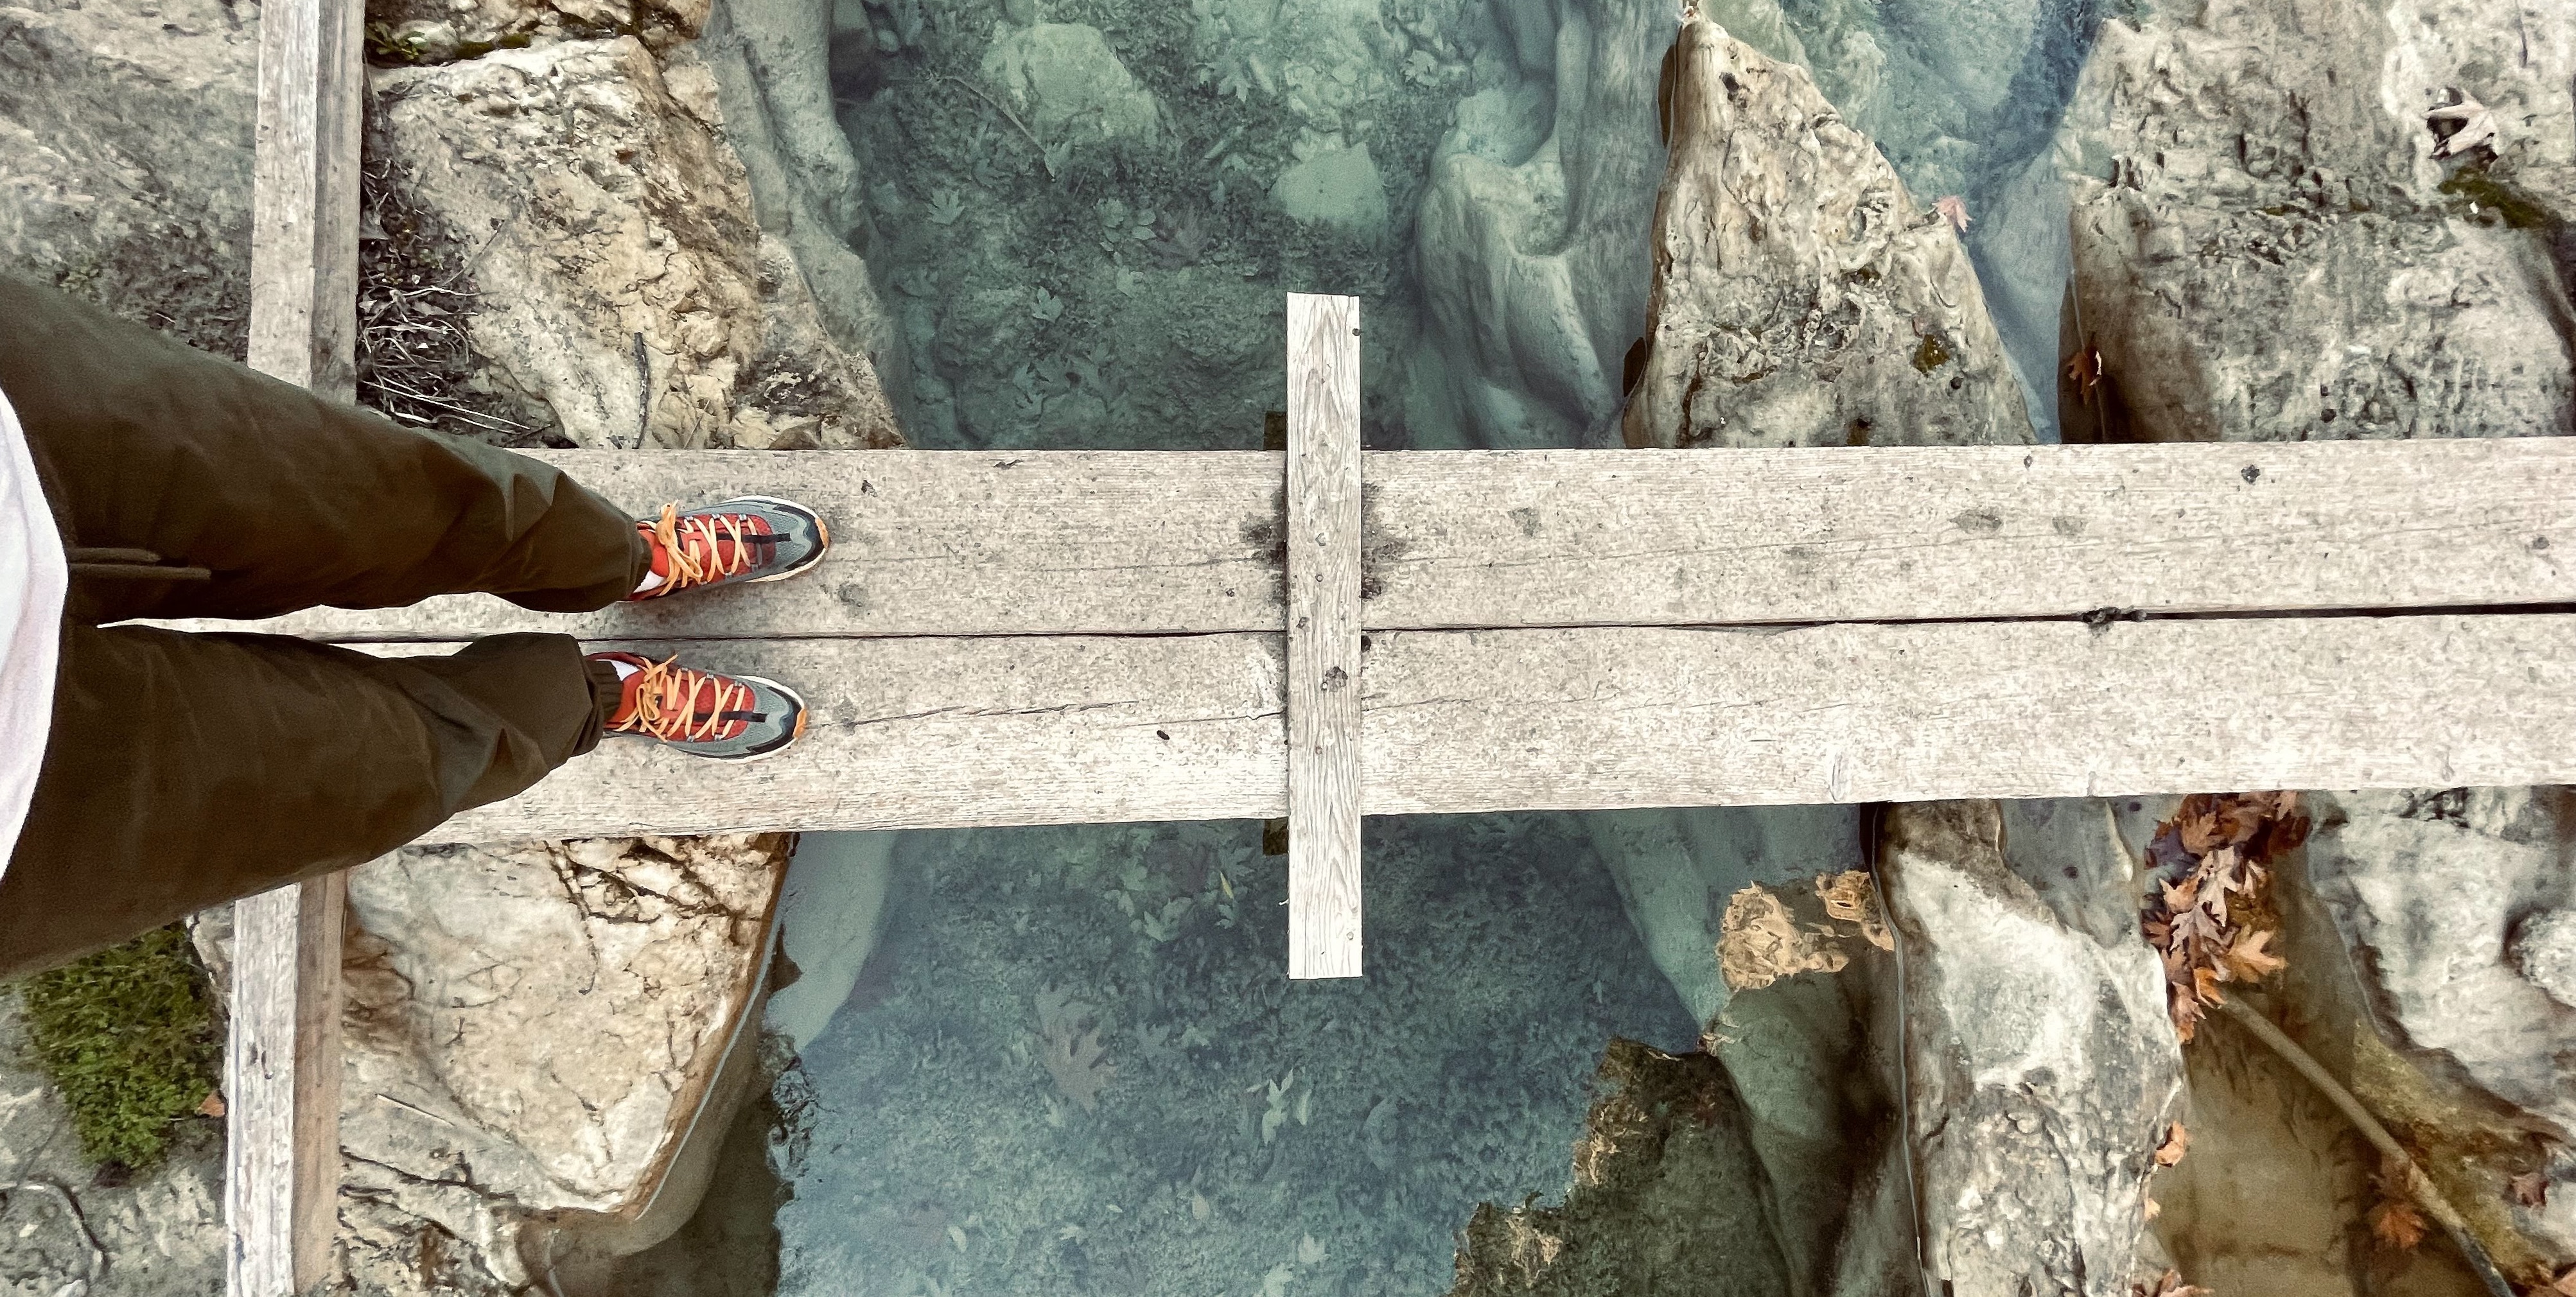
(1149, 542)
(921, 732)
(282, 1062)
(1323, 636)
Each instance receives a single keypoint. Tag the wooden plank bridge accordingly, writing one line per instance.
(1059, 637)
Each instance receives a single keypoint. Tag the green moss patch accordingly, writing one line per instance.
(2492, 194)
(130, 1037)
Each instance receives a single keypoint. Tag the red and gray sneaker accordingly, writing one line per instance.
(730, 718)
(747, 538)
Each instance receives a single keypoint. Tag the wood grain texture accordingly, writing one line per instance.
(1146, 542)
(282, 1068)
(928, 543)
(282, 1088)
(1626, 717)
(1594, 538)
(949, 733)
(922, 732)
(1323, 636)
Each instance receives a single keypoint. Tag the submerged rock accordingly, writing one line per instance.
(630, 295)
(2041, 1067)
(1800, 296)
(2265, 248)
(1531, 234)
(1070, 83)
(1335, 186)
(1664, 1196)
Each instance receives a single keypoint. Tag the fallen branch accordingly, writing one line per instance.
(2419, 1185)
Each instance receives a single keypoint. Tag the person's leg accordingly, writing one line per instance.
(291, 500)
(184, 771)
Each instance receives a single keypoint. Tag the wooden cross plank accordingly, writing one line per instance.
(1323, 636)
(926, 732)
(1157, 542)
(282, 1059)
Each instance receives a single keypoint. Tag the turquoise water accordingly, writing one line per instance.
(1075, 1064)
(1069, 1060)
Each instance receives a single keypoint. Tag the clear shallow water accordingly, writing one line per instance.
(1108, 273)
(1075, 1064)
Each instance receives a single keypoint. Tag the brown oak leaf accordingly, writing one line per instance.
(2397, 1225)
(2177, 1141)
(2531, 1189)
(213, 1105)
(2249, 961)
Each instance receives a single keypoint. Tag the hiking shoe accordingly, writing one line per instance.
(730, 718)
(747, 538)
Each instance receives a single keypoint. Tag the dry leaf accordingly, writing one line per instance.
(2477, 126)
(1758, 943)
(2177, 1142)
(2249, 961)
(2566, 1283)
(2154, 1210)
(2531, 1190)
(2397, 1225)
(2204, 985)
(1848, 897)
(1954, 207)
(2169, 1284)
(213, 1106)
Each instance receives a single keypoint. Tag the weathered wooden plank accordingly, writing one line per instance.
(282, 1059)
(945, 733)
(929, 543)
(1591, 538)
(1623, 717)
(282, 1087)
(1323, 636)
(1109, 542)
(922, 732)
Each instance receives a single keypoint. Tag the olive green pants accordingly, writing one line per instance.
(183, 771)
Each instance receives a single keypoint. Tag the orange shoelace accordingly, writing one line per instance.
(666, 703)
(704, 561)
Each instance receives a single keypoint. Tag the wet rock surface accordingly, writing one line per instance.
(1802, 296)
(2266, 247)
(2041, 1067)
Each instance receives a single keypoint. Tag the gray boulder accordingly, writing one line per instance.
(1801, 298)
(2266, 249)
(102, 191)
(2040, 1063)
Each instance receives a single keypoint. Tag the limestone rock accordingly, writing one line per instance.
(1335, 186)
(438, 31)
(2041, 1065)
(2458, 902)
(2265, 249)
(61, 1231)
(2544, 949)
(101, 192)
(531, 1028)
(1068, 84)
(627, 290)
(1800, 296)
